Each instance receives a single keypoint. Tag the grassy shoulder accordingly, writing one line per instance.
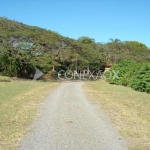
(129, 110)
(19, 101)
(4, 79)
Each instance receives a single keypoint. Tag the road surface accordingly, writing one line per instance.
(68, 121)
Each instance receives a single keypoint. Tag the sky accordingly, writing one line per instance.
(127, 20)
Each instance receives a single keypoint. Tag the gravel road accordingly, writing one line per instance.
(68, 121)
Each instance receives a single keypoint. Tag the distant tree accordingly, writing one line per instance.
(114, 40)
(86, 40)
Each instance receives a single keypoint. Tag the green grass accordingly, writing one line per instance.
(19, 101)
(4, 79)
(10, 90)
(128, 109)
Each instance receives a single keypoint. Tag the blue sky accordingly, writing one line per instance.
(98, 19)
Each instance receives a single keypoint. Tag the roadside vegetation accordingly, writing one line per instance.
(131, 74)
(128, 109)
(24, 47)
(19, 101)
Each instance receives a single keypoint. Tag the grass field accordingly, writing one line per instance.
(128, 109)
(18, 107)
(4, 79)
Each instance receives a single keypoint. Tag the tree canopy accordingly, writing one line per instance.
(23, 47)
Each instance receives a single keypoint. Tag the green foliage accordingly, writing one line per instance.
(132, 74)
(128, 50)
(141, 82)
(94, 57)
(86, 40)
(23, 47)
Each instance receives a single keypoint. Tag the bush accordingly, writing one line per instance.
(132, 74)
(141, 82)
(126, 70)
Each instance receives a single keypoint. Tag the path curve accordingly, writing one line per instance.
(68, 121)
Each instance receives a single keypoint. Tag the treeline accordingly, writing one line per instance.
(132, 74)
(23, 47)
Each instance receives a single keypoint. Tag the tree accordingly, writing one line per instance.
(86, 40)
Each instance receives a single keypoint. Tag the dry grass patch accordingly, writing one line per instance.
(129, 110)
(18, 107)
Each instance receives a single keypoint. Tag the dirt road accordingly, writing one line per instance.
(68, 121)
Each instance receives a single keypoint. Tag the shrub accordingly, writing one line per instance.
(141, 82)
(126, 70)
(132, 74)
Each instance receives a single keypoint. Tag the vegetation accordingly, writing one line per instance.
(128, 109)
(132, 74)
(127, 50)
(18, 108)
(23, 47)
(4, 79)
